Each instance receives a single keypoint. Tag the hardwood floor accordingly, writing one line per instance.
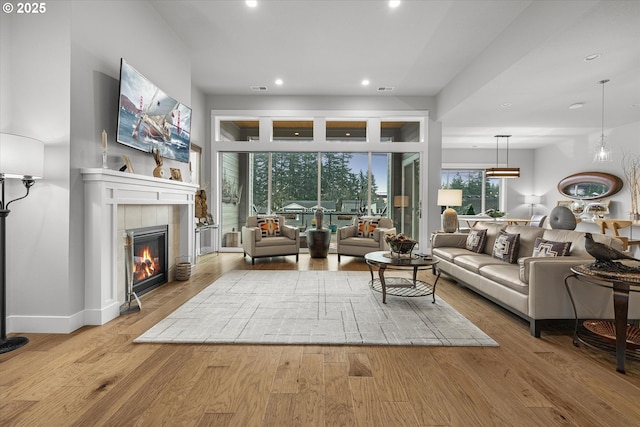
(97, 376)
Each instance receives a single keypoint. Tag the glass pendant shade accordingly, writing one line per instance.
(602, 153)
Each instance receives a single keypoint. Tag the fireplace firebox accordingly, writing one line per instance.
(150, 266)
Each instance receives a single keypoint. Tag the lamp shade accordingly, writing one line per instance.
(21, 157)
(532, 200)
(449, 197)
(400, 201)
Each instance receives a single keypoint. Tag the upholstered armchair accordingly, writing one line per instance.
(364, 236)
(267, 236)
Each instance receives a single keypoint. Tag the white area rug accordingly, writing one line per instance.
(312, 307)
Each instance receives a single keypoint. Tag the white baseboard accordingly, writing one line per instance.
(62, 324)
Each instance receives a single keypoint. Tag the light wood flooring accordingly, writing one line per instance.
(97, 376)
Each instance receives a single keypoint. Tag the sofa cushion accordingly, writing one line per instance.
(474, 262)
(449, 253)
(366, 227)
(528, 236)
(360, 241)
(269, 226)
(549, 248)
(275, 241)
(476, 240)
(507, 275)
(506, 247)
(492, 232)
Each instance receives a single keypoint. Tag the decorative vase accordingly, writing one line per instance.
(319, 218)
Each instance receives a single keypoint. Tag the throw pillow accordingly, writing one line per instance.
(476, 240)
(549, 248)
(506, 247)
(366, 227)
(269, 226)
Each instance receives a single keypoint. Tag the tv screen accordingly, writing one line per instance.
(149, 118)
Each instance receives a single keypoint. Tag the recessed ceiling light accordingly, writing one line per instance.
(576, 105)
(365, 82)
(394, 3)
(592, 57)
(505, 105)
(279, 82)
(251, 3)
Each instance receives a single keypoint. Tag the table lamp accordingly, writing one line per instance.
(20, 158)
(449, 216)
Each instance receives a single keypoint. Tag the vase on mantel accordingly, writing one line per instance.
(319, 218)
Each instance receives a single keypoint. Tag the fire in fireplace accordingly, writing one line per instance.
(149, 258)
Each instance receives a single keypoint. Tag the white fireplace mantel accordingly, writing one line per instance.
(104, 191)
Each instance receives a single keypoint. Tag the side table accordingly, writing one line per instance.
(621, 284)
(318, 242)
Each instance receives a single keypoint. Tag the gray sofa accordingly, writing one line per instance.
(533, 287)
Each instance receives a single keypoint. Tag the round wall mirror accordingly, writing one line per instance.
(590, 185)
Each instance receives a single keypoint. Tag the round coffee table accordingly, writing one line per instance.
(409, 287)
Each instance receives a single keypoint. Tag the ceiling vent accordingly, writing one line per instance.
(385, 89)
(259, 88)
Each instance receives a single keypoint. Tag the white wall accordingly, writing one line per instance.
(554, 162)
(36, 103)
(63, 77)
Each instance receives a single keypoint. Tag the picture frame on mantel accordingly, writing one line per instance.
(127, 163)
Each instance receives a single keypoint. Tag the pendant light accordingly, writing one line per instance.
(602, 153)
(506, 172)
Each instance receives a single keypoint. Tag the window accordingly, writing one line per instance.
(293, 130)
(239, 130)
(400, 131)
(342, 130)
(478, 193)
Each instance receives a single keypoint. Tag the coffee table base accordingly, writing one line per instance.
(404, 287)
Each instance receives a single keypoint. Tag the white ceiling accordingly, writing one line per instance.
(472, 56)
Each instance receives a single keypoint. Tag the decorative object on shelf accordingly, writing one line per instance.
(104, 149)
(20, 158)
(602, 152)
(631, 172)
(400, 245)
(505, 172)
(201, 207)
(589, 185)
(448, 198)
(158, 172)
(176, 174)
(494, 213)
(319, 216)
(127, 165)
(129, 267)
(595, 210)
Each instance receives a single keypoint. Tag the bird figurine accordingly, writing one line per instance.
(602, 253)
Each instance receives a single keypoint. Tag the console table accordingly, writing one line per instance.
(625, 336)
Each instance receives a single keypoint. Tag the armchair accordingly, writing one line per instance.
(267, 236)
(364, 236)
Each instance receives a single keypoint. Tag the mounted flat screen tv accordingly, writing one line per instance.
(149, 118)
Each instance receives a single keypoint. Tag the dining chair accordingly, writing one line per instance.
(614, 225)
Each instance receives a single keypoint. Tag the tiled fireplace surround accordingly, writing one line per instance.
(117, 201)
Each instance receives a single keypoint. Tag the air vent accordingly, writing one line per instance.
(259, 88)
(385, 89)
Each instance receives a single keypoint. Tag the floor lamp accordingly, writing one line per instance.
(20, 158)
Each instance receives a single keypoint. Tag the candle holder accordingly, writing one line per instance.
(104, 159)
